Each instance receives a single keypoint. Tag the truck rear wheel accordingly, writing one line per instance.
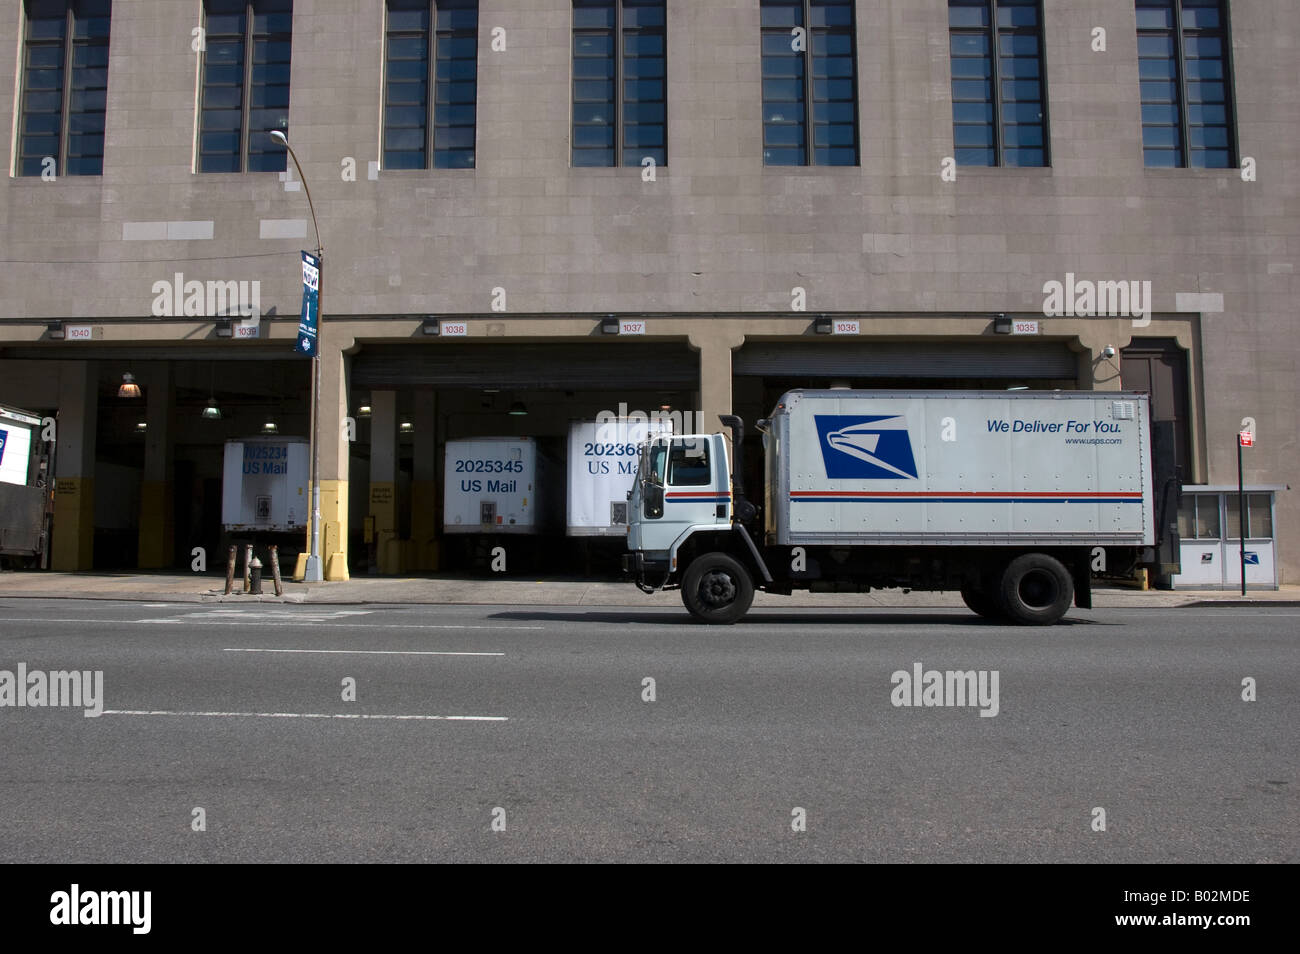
(1036, 590)
(717, 589)
(981, 601)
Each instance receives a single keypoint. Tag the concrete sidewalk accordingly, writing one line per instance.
(203, 588)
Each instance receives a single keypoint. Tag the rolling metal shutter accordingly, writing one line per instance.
(539, 366)
(900, 359)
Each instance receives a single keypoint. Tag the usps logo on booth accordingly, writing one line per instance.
(871, 447)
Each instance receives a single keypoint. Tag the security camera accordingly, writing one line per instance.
(1108, 352)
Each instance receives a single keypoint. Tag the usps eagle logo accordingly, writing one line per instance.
(871, 447)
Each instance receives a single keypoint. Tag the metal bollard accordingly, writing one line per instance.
(230, 570)
(248, 558)
(255, 576)
(275, 570)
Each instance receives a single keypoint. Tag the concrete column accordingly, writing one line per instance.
(334, 457)
(424, 483)
(714, 396)
(157, 534)
(72, 547)
(383, 478)
(333, 460)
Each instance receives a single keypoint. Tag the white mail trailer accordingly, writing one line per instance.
(602, 466)
(18, 432)
(24, 497)
(493, 485)
(265, 484)
(960, 468)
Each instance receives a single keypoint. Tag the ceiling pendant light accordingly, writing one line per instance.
(212, 412)
(128, 388)
(270, 427)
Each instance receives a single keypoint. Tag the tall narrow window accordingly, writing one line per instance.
(619, 83)
(64, 88)
(245, 91)
(999, 101)
(808, 57)
(418, 59)
(1186, 87)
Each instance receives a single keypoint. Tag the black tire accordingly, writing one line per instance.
(982, 602)
(1036, 590)
(717, 589)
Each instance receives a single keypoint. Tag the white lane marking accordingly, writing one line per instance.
(278, 622)
(365, 652)
(368, 626)
(307, 715)
(240, 615)
(304, 614)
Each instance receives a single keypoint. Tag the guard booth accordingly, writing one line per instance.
(1209, 526)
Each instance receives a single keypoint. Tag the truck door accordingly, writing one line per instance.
(686, 485)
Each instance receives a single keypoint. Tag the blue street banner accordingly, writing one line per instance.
(305, 346)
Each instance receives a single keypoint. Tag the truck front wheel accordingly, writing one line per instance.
(1036, 590)
(717, 589)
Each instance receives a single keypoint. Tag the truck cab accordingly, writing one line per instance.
(682, 486)
(682, 531)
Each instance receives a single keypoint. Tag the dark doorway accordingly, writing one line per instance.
(1158, 367)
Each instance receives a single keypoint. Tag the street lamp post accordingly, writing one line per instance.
(313, 572)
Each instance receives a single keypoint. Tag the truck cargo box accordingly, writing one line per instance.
(265, 484)
(602, 466)
(959, 468)
(495, 485)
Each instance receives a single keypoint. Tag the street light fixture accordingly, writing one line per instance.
(313, 572)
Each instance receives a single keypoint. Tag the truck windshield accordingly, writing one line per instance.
(688, 466)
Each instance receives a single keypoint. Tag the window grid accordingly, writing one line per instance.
(619, 83)
(999, 99)
(416, 62)
(1184, 71)
(64, 87)
(823, 73)
(1218, 517)
(245, 96)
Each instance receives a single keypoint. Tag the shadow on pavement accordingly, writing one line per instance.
(761, 617)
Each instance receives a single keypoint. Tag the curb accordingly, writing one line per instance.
(1239, 601)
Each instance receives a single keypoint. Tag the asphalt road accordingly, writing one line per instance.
(233, 710)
